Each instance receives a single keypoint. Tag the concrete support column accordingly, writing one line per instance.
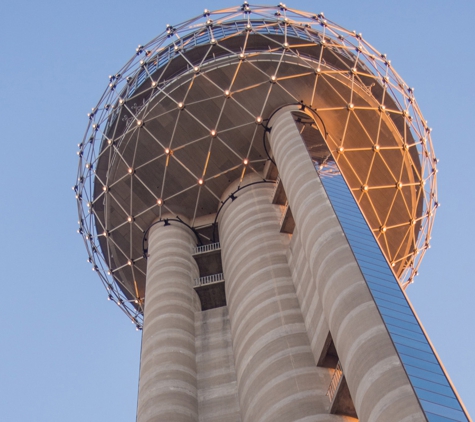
(276, 374)
(168, 386)
(378, 384)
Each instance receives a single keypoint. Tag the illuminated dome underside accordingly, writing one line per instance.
(184, 127)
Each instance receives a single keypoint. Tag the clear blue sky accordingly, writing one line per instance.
(67, 354)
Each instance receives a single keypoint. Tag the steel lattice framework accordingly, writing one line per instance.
(187, 114)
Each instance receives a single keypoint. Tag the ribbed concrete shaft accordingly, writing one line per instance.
(276, 374)
(168, 386)
(377, 381)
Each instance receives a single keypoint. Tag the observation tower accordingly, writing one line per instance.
(256, 190)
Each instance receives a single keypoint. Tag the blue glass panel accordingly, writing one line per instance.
(356, 228)
(414, 333)
(404, 317)
(426, 375)
(437, 418)
(390, 305)
(380, 271)
(351, 217)
(431, 386)
(366, 264)
(338, 195)
(423, 346)
(381, 280)
(398, 315)
(379, 286)
(367, 243)
(347, 211)
(364, 251)
(362, 244)
(410, 351)
(456, 415)
(388, 294)
(380, 274)
(424, 371)
(362, 235)
(372, 263)
(367, 240)
(358, 225)
(340, 203)
(437, 398)
(366, 257)
(399, 323)
(419, 363)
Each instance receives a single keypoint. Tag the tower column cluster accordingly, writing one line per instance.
(292, 301)
(278, 339)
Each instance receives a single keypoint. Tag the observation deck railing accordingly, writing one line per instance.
(206, 248)
(209, 279)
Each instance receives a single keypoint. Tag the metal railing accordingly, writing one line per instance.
(335, 382)
(209, 279)
(206, 248)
